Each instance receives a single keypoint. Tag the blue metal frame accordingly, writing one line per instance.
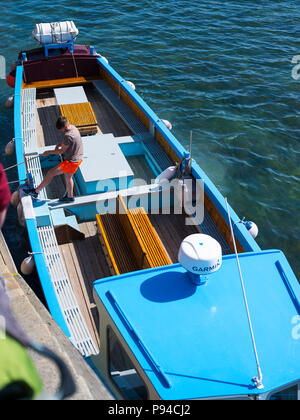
(48, 47)
(18, 125)
(243, 236)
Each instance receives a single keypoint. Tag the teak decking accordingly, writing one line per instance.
(48, 111)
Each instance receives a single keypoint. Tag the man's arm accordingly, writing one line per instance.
(59, 150)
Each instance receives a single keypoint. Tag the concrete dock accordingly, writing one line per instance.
(41, 327)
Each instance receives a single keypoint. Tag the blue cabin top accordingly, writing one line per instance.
(194, 341)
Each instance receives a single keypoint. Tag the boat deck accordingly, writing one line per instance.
(48, 111)
(84, 260)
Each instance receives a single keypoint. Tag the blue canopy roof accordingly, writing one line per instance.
(194, 341)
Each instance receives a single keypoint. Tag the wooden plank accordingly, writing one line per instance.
(106, 243)
(46, 117)
(48, 111)
(123, 95)
(100, 267)
(82, 261)
(89, 257)
(79, 289)
(66, 233)
(108, 120)
(60, 82)
(133, 238)
(155, 251)
(119, 244)
(221, 224)
(172, 230)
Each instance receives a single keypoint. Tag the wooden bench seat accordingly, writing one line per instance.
(117, 251)
(130, 241)
(70, 81)
(155, 251)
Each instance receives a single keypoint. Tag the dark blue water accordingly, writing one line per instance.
(219, 68)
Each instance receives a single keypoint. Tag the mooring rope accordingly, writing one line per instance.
(13, 166)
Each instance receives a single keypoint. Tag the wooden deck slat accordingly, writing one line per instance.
(172, 231)
(48, 111)
(85, 263)
(80, 290)
(108, 120)
(60, 82)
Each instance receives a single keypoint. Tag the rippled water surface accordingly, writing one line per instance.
(219, 68)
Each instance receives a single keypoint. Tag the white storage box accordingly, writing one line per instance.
(55, 33)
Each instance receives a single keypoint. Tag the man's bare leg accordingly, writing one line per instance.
(69, 184)
(48, 178)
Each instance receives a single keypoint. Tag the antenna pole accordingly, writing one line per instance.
(191, 148)
(257, 380)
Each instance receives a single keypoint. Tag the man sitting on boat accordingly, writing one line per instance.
(72, 146)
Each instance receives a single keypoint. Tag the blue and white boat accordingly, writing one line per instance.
(150, 273)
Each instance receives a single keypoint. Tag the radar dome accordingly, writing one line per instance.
(200, 255)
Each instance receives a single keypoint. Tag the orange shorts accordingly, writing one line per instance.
(69, 167)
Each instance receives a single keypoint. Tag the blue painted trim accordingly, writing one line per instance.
(18, 125)
(44, 276)
(243, 236)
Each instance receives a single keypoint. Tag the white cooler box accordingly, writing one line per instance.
(55, 33)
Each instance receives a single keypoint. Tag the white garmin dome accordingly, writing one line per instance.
(200, 254)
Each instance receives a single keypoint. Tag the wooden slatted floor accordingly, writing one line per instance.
(48, 111)
(57, 188)
(85, 263)
(108, 120)
(47, 114)
(172, 230)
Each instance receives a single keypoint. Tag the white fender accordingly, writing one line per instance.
(15, 198)
(10, 102)
(27, 265)
(10, 147)
(130, 84)
(167, 124)
(167, 174)
(252, 229)
(21, 218)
